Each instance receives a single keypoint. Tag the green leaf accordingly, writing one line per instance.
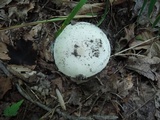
(13, 109)
(156, 21)
(105, 13)
(143, 6)
(71, 16)
(151, 7)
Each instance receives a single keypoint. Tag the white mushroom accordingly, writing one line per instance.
(82, 50)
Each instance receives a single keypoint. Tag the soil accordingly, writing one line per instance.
(128, 88)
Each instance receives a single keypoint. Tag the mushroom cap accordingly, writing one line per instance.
(81, 49)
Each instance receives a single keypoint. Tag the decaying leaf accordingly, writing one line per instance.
(146, 64)
(58, 82)
(43, 87)
(142, 65)
(117, 2)
(143, 35)
(4, 2)
(4, 37)
(129, 32)
(3, 15)
(129, 35)
(23, 1)
(5, 85)
(125, 85)
(144, 18)
(157, 104)
(33, 33)
(74, 98)
(21, 71)
(88, 8)
(21, 12)
(91, 8)
(154, 50)
(45, 50)
(3, 52)
(60, 99)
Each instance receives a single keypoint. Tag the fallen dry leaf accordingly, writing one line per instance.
(117, 2)
(60, 99)
(21, 71)
(154, 50)
(91, 8)
(129, 35)
(3, 52)
(143, 19)
(142, 65)
(5, 85)
(4, 2)
(21, 11)
(4, 37)
(129, 32)
(33, 33)
(157, 104)
(143, 35)
(75, 98)
(58, 83)
(88, 8)
(125, 85)
(3, 16)
(45, 50)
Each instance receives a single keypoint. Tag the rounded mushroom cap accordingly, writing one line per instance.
(82, 50)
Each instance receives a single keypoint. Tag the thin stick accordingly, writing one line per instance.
(140, 107)
(60, 18)
(116, 54)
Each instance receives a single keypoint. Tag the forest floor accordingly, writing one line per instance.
(128, 88)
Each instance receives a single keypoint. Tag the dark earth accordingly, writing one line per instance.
(127, 89)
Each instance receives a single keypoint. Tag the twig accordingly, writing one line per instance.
(63, 114)
(116, 54)
(21, 91)
(60, 18)
(4, 69)
(140, 107)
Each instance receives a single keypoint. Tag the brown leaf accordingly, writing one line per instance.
(74, 97)
(58, 83)
(21, 71)
(92, 8)
(117, 2)
(88, 8)
(129, 32)
(4, 37)
(4, 2)
(20, 11)
(140, 38)
(5, 85)
(3, 52)
(154, 50)
(45, 50)
(60, 99)
(129, 35)
(33, 32)
(142, 65)
(125, 85)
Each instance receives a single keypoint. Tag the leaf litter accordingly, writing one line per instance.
(118, 92)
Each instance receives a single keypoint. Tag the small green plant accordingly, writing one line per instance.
(150, 11)
(71, 16)
(105, 12)
(61, 18)
(12, 110)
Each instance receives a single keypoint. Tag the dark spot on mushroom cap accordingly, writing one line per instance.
(76, 46)
(91, 41)
(75, 53)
